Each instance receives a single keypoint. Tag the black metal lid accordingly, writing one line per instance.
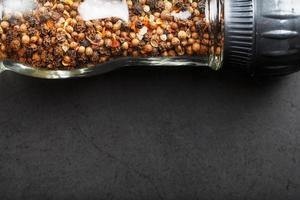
(262, 36)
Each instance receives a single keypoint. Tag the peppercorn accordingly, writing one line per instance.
(4, 24)
(60, 7)
(69, 29)
(81, 49)
(196, 47)
(175, 41)
(195, 35)
(73, 45)
(15, 44)
(109, 25)
(174, 25)
(25, 39)
(108, 42)
(148, 48)
(117, 26)
(108, 34)
(171, 53)
(165, 15)
(89, 51)
(85, 43)
(132, 35)
(3, 37)
(135, 42)
(73, 13)
(135, 53)
(125, 45)
(103, 59)
(81, 36)
(184, 43)
(36, 57)
(204, 50)
(34, 39)
(89, 24)
(66, 61)
(182, 35)
(179, 50)
(137, 9)
(165, 54)
(189, 50)
(95, 57)
(23, 28)
(217, 51)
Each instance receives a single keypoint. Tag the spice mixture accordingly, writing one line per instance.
(55, 36)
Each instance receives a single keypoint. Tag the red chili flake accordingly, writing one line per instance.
(115, 44)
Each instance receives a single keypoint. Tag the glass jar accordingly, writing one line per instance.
(75, 38)
(58, 39)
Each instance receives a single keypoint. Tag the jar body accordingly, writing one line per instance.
(83, 35)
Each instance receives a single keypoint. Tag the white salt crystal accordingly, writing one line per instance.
(139, 36)
(100, 9)
(142, 32)
(182, 15)
(17, 6)
(89, 9)
(1, 11)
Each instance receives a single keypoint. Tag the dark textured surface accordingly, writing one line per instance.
(159, 134)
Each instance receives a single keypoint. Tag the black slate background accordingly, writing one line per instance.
(150, 134)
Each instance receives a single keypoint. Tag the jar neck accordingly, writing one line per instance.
(215, 19)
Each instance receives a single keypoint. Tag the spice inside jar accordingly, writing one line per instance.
(54, 35)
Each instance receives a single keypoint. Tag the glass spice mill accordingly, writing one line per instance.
(59, 39)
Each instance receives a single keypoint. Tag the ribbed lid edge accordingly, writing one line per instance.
(239, 33)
